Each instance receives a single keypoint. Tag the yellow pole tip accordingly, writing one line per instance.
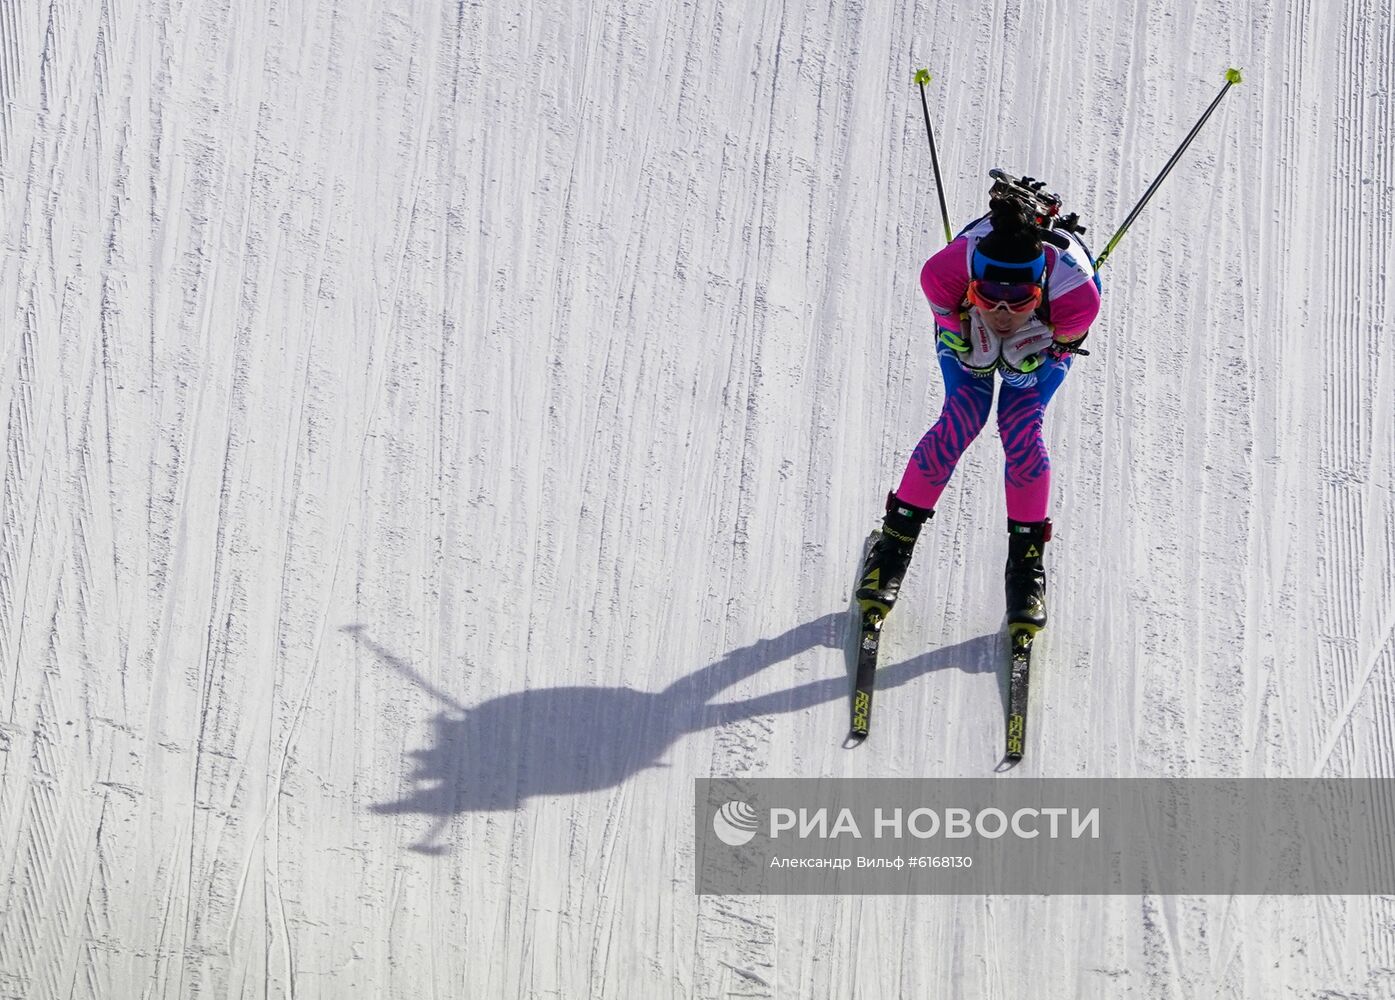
(922, 76)
(1232, 75)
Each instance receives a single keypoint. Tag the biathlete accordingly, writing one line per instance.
(1013, 298)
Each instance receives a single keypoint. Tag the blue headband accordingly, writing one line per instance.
(987, 268)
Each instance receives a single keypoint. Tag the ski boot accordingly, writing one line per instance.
(889, 557)
(1025, 574)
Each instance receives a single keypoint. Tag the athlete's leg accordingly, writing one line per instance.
(968, 401)
(1027, 477)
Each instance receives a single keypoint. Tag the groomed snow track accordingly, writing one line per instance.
(436, 433)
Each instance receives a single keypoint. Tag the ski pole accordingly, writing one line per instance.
(922, 77)
(1232, 77)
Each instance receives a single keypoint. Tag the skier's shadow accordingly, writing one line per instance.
(568, 740)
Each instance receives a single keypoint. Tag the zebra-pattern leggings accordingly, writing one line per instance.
(968, 400)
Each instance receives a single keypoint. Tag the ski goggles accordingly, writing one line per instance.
(1015, 297)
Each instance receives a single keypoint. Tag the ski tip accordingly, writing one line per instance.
(922, 76)
(855, 739)
(1008, 762)
(1232, 75)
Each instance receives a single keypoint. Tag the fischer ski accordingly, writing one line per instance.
(885, 558)
(1020, 639)
(871, 615)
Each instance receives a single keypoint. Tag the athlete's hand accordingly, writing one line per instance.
(1020, 348)
(977, 347)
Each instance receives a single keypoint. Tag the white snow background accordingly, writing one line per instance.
(436, 433)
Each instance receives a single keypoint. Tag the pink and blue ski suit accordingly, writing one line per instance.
(1071, 303)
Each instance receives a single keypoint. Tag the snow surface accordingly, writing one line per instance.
(437, 433)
